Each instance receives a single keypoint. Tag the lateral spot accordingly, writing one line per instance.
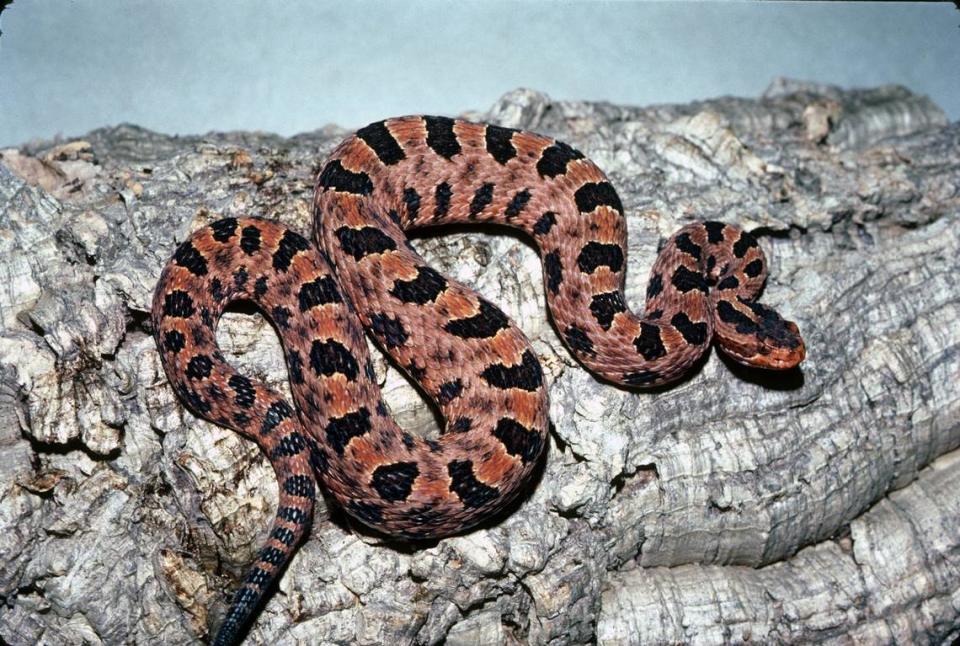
(498, 143)
(526, 376)
(578, 340)
(418, 373)
(389, 329)
(320, 291)
(340, 430)
(196, 402)
(412, 199)
(216, 393)
(484, 324)
(245, 393)
(519, 440)
(648, 343)
(554, 159)
(394, 482)
(178, 303)
(365, 512)
(189, 258)
(481, 199)
(595, 194)
(598, 254)
(655, 286)
(553, 271)
(687, 246)
(423, 289)
(216, 290)
(199, 367)
(281, 316)
(693, 333)
(441, 198)
(224, 229)
(319, 459)
(335, 177)
(641, 377)
(381, 141)
(545, 223)
(464, 483)
(449, 391)
(240, 277)
(295, 366)
(440, 136)
(330, 357)
(289, 246)
(517, 202)
(199, 334)
(605, 306)
(422, 520)
(363, 242)
(685, 280)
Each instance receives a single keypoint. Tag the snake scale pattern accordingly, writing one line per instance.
(465, 353)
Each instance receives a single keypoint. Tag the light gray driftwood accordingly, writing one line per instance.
(815, 505)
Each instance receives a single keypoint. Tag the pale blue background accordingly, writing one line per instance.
(182, 66)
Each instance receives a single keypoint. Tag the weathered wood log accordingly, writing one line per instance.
(820, 504)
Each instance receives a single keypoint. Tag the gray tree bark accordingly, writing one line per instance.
(820, 504)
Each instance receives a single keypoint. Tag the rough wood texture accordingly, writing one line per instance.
(816, 505)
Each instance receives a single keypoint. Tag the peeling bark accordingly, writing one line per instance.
(817, 505)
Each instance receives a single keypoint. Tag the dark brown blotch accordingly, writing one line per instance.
(199, 367)
(605, 306)
(483, 325)
(340, 430)
(469, 489)
(649, 343)
(394, 482)
(518, 440)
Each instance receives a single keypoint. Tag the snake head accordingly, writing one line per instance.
(757, 336)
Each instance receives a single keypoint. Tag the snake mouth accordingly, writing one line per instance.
(784, 358)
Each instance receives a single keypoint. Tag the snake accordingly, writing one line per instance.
(361, 273)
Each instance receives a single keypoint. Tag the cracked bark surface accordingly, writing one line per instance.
(814, 505)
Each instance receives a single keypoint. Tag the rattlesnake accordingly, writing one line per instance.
(465, 354)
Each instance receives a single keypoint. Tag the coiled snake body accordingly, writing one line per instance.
(471, 360)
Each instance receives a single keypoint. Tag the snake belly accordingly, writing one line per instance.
(464, 352)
